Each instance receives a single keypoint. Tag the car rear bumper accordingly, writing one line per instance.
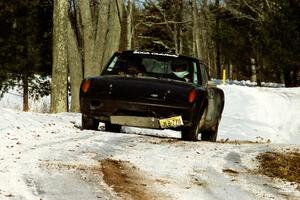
(149, 122)
(138, 114)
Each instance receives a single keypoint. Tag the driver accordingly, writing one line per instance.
(135, 66)
(180, 71)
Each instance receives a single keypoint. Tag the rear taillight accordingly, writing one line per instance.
(192, 96)
(86, 85)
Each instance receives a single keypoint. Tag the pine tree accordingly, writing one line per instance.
(25, 45)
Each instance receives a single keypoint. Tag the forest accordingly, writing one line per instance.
(67, 40)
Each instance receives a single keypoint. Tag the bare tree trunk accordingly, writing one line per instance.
(218, 48)
(213, 62)
(112, 39)
(180, 41)
(205, 25)
(230, 75)
(194, 44)
(209, 61)
(101, 31)
(175, 39)
(287, 77)
(253, 70)
(25, 92)
(59, 68)
(88, 38)
(259, 70)
(75, 68)
(196, 29)
(178, 28)
(129, 24)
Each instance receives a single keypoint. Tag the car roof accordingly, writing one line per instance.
(158, 54)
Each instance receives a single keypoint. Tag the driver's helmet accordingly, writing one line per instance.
(180, 69)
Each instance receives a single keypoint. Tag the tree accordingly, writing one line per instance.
(60, 62)
(197, 50)
(93, 34)
(266, 32)
(163, 27)
(217, 41)
(281, 40)
(24, 47)
(129, 30)
(203, 21)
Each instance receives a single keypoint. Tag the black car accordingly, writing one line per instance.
(153, 90)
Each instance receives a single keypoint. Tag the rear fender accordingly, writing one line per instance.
(200, 108)
(214, 108)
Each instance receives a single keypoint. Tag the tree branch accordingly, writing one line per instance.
(166, 22)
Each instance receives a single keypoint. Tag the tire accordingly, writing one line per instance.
(89, 123)
(112, 127)
(190, 133)
(210, 135)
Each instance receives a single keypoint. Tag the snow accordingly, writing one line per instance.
(261, 114)
(48, 156)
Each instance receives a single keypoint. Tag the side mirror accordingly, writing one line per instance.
(211, 84)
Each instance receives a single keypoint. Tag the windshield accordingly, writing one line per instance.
(153, 66)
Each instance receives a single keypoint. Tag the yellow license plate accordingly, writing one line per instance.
(171, 122)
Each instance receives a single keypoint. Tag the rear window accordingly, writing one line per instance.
(153, 66)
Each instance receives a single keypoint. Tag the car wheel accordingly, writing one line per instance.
(89, 123)
(112, 127)
(210, 135)
(190, 133)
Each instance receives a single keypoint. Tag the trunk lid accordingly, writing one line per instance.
(141, 89)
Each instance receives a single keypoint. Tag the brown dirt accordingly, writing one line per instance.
(283, 165)
(127, 181)
(230, 171)
(64, 166)
(238, 142)
(123, 177)
(166, 141)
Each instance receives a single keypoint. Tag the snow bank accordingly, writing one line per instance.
(261, 114)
